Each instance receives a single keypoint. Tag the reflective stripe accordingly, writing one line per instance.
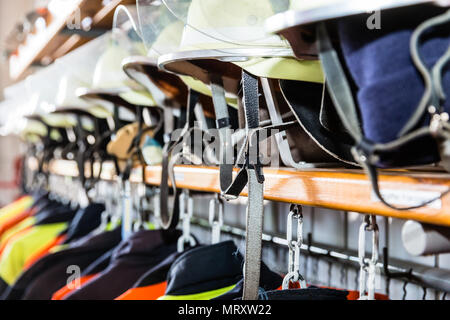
(15, 208)
(200, 296)
(16, 252)
(152, 292)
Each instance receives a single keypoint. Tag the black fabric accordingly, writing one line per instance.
(99, 265)
(205, 269)
(308, 294)
(3, 286)
(305, 101)
(269, 281)
(49, 274)
(58, 214)
(85, 221)
(130, 261)
(157, 274)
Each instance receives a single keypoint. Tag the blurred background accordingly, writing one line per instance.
(33, 34)
(10, 13)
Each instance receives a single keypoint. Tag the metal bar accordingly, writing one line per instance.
(433, 278)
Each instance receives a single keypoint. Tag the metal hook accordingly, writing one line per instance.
(216, 209)
(330, 270)
(368, 268)
(404, 290)
(294, 274)
(186, 214)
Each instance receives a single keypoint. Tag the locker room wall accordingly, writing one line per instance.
(10, 13)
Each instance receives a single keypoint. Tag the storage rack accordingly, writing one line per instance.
(187, 178)
(338, 189)
(57, 40)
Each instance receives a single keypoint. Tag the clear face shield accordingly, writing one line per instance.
(225, 25)
(161, 30)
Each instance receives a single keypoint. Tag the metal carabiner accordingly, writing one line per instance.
(294, 248)
(216, 208)
(186, 214)
(369, 269)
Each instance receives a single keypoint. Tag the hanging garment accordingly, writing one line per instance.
(90, 273)
(16, 232)
(130, 261)
(15, 213)
(9, 223)
(51, 215)
(269, 281)
(32, 259)
(47, 225)
(49, 274)
(14, 256)
(307, 294)
(153, 284)
(85, 221)
(16, 207)
(205, 273)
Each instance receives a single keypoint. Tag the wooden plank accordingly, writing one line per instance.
(102, 19)
(346, 190)
(47, 39)
(343, 190)
(51, 45)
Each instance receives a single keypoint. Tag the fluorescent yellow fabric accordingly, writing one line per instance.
(199, 86)
(15, 208)
(199, 296)
(13, 258)
(140, 98)
(7, 235)
(284, 68)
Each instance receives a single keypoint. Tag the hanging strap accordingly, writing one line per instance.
(255, 208)
(170, 213)
(276, 118)
(364, 151)
(232, 188)
(250, 172)
(81, 152)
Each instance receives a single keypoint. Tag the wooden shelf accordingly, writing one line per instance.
(345, 190)
(338, 189)
(51, 44)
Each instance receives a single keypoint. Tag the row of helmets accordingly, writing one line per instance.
(67, 82)
(154, 28)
